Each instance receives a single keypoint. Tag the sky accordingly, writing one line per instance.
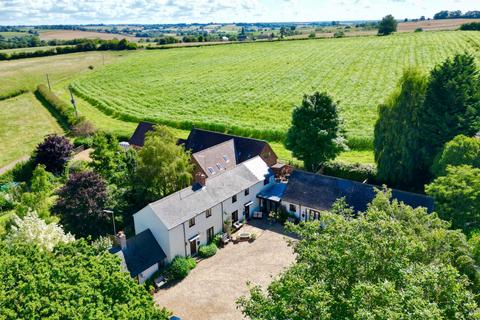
(20, 12)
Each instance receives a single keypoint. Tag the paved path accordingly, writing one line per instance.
(210, 290)
(12, 164)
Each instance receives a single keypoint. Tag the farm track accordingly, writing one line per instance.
(250, 89)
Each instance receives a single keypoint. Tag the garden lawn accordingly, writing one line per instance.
(23, 124)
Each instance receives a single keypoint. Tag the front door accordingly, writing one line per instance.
(234, 216)
(247, 212)
(193, 247)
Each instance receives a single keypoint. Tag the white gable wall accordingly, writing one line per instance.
(147, 219)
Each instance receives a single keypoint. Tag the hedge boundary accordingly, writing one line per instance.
(63, 108)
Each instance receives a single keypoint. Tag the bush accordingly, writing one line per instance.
(64, 109)
(21, 172)
(180, 267)
(83, 128)
(217, 240)
(206, 251)
(418, 30)
(339, 34)
(86, 142)
(54, 153)
(356, 171)
(473, 26)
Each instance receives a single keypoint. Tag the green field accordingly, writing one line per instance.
(253, 87)
(24, 122)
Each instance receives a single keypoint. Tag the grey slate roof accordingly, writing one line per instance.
(245, 148)
(189, 202)
(212, 160)
(320, 192)
(138, 137)
(142, 252)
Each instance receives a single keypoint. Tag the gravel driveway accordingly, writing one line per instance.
(210, 290)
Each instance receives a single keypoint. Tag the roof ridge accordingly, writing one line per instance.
(361, 183)
(227, 134)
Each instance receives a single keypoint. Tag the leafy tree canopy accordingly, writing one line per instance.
(315, 135)
(81, 203)
(54, 152)
(163, 166)
(391, 262)
(457, 196)
(74, 281)
(452, 105)
(387, 26)
(461, 150)
(36, 197)
(397, 139)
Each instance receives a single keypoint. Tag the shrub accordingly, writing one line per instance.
(353, 171)
(54, 152)
(83, 128)
(206, 251)
(217, 239)
(180, 267)
(339, 34)
(473, 26)
(21, 172)
(64, 109)
(86, 142)
(418, 30)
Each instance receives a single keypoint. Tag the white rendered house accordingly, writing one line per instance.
(186, 219)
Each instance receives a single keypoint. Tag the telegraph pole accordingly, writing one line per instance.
(73, 102)
(48, 81)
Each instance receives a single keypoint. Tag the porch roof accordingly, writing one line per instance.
(274, 193)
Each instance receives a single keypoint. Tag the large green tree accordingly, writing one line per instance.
(452, 105)
(392, 262)
(397, 138)
(461, 150)
(74, 281)
(315, 135)
(163, 166)
(457, 196)
(387, 25)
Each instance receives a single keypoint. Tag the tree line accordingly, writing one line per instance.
(457, 14)
(83, 46)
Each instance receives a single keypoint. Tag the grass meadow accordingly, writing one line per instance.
(250, 89)
(24, 121)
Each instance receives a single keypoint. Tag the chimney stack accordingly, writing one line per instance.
(201, 178)
(122, 240)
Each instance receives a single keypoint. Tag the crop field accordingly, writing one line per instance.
(250, 89)
(76, 34)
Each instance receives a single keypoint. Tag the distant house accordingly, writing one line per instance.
(183, 221)
(307, 194)
(141, 255)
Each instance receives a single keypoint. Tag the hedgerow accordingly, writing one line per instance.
(65, 110)
(352, 171)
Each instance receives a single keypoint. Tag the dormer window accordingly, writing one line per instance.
(211, 170)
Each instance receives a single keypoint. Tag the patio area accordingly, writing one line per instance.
(211, 289)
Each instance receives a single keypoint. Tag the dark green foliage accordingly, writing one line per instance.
(65, 110)
(206, 251)
(81, 203)
(397, 137)
(352, 171)
(107, 157)
(461, 150)
(473, 26)
(54, 153)
(387, 26)
(163, 167)
(457, 196)
(452, 105)
(315, 135)
(391, 262)
(75, 281)
(21, 172)
(180, 267)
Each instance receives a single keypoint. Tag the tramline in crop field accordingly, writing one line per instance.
(250, 89)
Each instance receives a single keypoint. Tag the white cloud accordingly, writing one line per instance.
(172, 11)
